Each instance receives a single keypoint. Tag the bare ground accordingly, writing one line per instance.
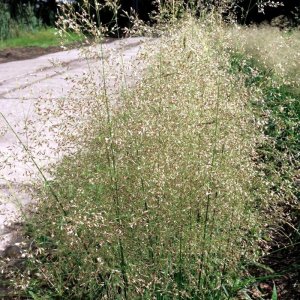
(12, 54)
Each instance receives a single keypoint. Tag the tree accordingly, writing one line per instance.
(43, 9)
(47, 11)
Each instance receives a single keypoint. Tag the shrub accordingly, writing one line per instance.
(4, 21)
(25, 21)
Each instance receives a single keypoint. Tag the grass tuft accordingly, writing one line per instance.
(163, 201)
(169, 192)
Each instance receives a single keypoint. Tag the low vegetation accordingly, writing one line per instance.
(43, 37)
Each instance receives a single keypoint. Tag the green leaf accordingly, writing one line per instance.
(34, 296)
(274, 294)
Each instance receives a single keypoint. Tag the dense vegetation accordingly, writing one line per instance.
(43, 10)
(12, 27)
(23, 25)
(180, 188)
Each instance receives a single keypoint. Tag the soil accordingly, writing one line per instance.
(284, 260)
(12, 54)
(22, 53)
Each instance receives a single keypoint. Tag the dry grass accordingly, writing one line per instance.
(273, 48)
(163, 200)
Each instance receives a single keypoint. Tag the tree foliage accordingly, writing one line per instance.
(44, 10)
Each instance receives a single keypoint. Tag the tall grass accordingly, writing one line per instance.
(271, 66)
(274, 49)
(275, 100)
(163, 200)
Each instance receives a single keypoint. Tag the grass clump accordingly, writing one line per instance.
(164, 200)
(275, 102)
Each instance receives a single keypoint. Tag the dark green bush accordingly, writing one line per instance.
(25, 21)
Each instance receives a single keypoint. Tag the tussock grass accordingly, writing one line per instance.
(163, 202)
(174, 181)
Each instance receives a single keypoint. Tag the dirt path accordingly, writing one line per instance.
(25, 83)
(13, 54)
(30, 52)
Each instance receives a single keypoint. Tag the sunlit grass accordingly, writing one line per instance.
(44, 37)
(163, 200)
(273, 48)
(171, 191)
(275, 101)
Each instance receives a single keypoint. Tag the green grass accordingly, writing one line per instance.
(277, 108)
(44, 37)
